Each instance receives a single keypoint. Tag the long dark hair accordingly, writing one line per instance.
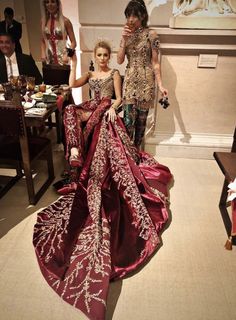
(138, 9)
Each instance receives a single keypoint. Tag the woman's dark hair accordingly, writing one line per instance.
(138, 9)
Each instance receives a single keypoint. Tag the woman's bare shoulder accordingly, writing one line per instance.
(67, 21)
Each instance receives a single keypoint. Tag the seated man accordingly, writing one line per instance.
(12, 63)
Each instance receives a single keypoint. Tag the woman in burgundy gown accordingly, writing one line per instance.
(110, 225)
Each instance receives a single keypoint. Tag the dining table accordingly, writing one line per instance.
(39, 112)
(42, 118)
(36, 121)
(37, 115)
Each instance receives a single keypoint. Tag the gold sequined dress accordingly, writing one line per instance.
(139, 82)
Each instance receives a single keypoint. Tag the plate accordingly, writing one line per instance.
(28, 105)
(36, 98)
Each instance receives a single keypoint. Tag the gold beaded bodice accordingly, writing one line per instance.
(138, 49)
(103, 87)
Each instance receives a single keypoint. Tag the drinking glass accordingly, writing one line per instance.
(14, 81)
(8, 92)
(42, 87)
(30, 83)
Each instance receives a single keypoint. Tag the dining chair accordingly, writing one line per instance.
(227, 163)
(8, 181)
(22, 151)
(56, 74)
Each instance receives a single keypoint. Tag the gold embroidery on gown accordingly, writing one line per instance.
(103, 87)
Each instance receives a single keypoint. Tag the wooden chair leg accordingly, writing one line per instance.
(12, 180)
(224, 193)
(50, 165)
(58, 119)
(50, 122)
(19, 169)
(223, 208)
(46, 184)
(35, 196)
(29, 184)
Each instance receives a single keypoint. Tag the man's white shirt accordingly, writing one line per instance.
(15, 70)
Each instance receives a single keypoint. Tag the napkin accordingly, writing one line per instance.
(28, 104)
(35, 111)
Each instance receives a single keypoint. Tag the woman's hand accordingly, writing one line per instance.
(163, 91)
(126, 33)
(111, 114)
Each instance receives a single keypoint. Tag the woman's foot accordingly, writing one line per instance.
(75, 161)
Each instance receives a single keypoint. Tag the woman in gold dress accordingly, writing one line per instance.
(141, 47)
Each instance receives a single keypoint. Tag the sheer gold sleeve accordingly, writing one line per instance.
(155, 41)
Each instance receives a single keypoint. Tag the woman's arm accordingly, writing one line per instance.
(73, 82)
(121, 52)
(43, 45)
(117, 88)
(70, 33)
(155, 61)
(43, 50)
(126, 33)
(111, 113)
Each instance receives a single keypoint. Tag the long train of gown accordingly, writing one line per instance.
(109, 226)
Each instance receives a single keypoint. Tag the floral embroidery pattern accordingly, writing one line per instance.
(122, 174)
(130, 148)
(89, 269)
(95, 118)
(91, 258)
(51, 225)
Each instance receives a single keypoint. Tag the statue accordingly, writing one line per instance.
(204, 7)
(151, 4)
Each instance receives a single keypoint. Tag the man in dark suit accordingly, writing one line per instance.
(11, 26)
(12, 63)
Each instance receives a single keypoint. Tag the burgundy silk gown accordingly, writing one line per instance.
(110, 225)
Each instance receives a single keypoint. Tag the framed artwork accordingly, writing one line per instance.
(204, 14)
